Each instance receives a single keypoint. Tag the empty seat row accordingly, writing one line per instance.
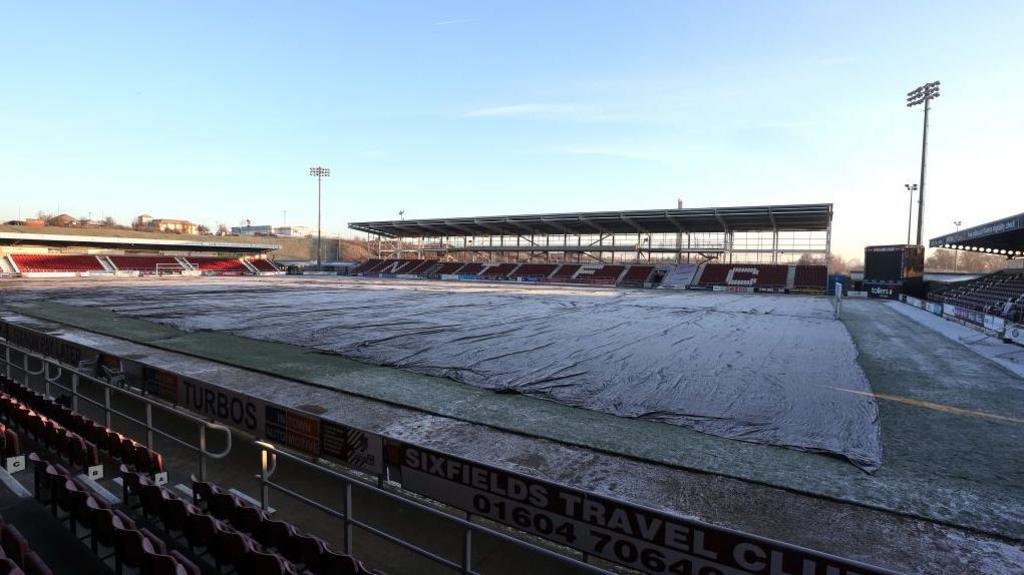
(144, 264)
(448, 268)
(638, 275)
(772, 276)
(16, 554)
(218, 265)
(77, 439)
(263, 265)
(45, 263)
(234, 534)
(106, 528)
(1000, 294)
(499, 271)
(538, 271)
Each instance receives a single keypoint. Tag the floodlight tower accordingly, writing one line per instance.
(923, 94)
(956, 252)
(320, 174)
(910, 211)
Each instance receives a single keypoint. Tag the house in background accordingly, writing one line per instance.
(145, 222)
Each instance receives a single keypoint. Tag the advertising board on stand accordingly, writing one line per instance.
(626, 534)
(994, 323)
(1015, 333)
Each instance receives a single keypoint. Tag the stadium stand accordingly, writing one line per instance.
(16, 554)
(449, 268)
(565, 273)
(140, 531)
(406, 266)
(471, 269)
(144, 264)
(774, 276)
(218, 265)
(605, 275)
(810, 277)
(33, 263)
(421, 268)
(767, 276)
(500, 271)
(263, 265)
(999, 294)
(637, 276)
(534, 271)
(366, 266)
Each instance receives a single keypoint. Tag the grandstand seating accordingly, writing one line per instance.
(810, 278)
(76, 439)
(42, 263)
(143, 263)
(366, 266)
(406, 266)
(777, 277)
(764, 276)
(263, 265)
(449, 268)
(999, 294)
(637, 276)
(500, 271)
(471, 269)
(774, 276)
(534, 271)
(218, 265)
(16, 554)
(216, 526)
(421, 268)
(565, 272)
(605, 275)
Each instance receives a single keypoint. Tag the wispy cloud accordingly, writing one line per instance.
(564, 111)
(453, 22)
(836, 60)
(626, 153)
(514, 110)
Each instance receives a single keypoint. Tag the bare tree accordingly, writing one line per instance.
(964, 261)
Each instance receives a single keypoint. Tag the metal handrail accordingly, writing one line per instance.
(388, 494)
(268, 465)
(109, 410)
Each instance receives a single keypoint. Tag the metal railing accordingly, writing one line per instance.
(270, 453)
(109, 392)
(268, 465)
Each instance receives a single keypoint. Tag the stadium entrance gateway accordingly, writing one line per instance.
(593, 525)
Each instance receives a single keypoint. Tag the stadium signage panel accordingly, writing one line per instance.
(292, 429)
(882, 292)
(223, 405)
(994, 323)
(990, 229)
(1015, 333)
(353, 447)
(630, 535)
(43, 344)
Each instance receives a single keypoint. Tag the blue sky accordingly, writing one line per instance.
(214, 111)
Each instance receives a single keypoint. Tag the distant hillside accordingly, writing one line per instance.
(291, 248)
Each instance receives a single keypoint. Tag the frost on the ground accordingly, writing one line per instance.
(774, 369)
